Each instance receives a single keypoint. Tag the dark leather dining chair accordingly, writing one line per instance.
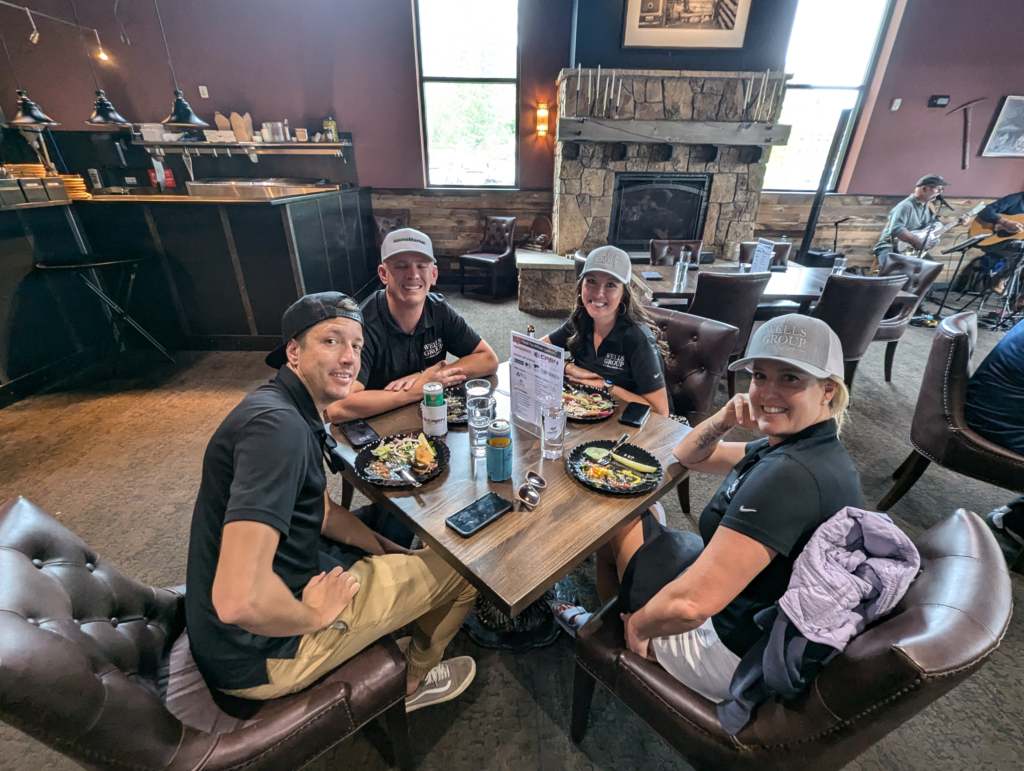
(921, 274)
(731, 298)
(580, 262)
(669, 252)
(389, 221)
(780, 252)
(85, 654)
(495, 255)
(699, 350)
(939, 433)
(943, 630)
(853, 306)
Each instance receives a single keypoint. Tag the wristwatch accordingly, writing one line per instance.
(608, 384)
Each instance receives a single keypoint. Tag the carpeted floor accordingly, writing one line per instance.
(118, 462)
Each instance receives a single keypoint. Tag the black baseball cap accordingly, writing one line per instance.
(931, 179)
(306, 312)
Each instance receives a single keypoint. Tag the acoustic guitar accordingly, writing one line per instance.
(931, 235)
(978, 228)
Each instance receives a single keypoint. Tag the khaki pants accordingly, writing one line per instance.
(394, 590)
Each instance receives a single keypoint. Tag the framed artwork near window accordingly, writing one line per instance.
(1007, 137)
(685, 23)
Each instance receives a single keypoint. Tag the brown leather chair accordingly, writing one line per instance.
(780, 253)
(669, 252)
(580, 261)
(495, 255)
(853, 306)
(84, 659)
(946, 626)
(939, 432)
(921, 274)
(388, 221)
(731, 298)
(699, 350)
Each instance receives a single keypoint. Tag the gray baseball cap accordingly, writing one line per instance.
(610, 260)
(806, 343)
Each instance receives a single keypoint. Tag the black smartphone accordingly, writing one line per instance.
(635, 414)
(358, 432)
(478, 514)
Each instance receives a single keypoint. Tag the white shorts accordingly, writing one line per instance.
(699, 660)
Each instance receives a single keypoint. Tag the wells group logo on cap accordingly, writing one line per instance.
(784, 337)
(606, 258)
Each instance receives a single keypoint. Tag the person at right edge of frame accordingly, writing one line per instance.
(270, 609)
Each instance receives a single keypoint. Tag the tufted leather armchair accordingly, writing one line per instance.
(731, 298)
(394, 220)
(669, 252)
(939, 431)
(921, 274)
(495, 254)
(84, 659)
(944, 629)
(780, 254)
(580, 261)
(699, 350)
(853, 306)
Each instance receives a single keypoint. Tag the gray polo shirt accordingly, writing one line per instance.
(908, 214)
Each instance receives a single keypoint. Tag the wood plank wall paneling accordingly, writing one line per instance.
(454, 219)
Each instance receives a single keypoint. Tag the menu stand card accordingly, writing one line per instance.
(536, 370)
(762, 259)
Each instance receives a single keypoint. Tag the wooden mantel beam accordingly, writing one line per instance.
(675, 132)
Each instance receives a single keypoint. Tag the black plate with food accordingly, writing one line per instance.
(586, 404)
(381, 462)
(634, 471)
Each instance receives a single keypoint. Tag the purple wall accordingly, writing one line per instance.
(296, 60)
(966, 50)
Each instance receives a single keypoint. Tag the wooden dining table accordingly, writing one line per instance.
(797, 283)
(514, 560)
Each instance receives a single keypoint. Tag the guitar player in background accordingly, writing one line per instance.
(914, 213)
(1005, 219)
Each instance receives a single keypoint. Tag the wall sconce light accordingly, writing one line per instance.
(542, 119)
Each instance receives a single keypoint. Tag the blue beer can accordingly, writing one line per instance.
(499, 451)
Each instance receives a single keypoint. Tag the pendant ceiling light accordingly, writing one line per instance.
(103, 113)
(30, 117)
(181, 114)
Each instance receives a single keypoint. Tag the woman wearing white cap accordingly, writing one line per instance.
(614, 343)
(691, 600)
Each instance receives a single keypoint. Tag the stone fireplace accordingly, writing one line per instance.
(672, 154)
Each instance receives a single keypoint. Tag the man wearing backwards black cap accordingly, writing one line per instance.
(409, 333)
(268, 610)
(914, 212)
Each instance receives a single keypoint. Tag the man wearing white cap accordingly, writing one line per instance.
(409, 333)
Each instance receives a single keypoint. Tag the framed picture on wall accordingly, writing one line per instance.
(685, 23)
(1007, 138)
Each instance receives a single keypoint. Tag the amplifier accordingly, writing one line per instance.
(819, 259)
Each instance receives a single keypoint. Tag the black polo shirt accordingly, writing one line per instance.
(389, 353)
(263, 464)
(629, 356)
(778, 496)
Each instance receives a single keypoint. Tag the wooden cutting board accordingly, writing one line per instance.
(247, 120)
(223, 124)
(238, 126)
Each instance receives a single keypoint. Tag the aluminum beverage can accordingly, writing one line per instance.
(435, 411)
(499, 450)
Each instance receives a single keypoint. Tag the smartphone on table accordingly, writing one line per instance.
(478, 514)
(358, 433)
(635, 414)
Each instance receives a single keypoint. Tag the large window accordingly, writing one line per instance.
(829, 56)
(469, 69)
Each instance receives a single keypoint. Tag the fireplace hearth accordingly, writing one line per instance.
(661, 206)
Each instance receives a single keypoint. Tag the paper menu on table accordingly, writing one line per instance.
(536, 370)
(762, 259)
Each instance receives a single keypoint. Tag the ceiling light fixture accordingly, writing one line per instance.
(34, 35)
(181, 114)
(102, 54)
(30, 117)
(103, 113)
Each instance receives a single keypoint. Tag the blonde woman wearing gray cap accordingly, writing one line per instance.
(690, 600)
(613, 342)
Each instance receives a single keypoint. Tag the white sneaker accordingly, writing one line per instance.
(442, 683)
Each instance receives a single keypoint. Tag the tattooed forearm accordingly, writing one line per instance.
(710, 434)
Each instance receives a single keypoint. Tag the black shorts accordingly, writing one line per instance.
(664, 556)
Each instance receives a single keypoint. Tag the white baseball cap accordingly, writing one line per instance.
(610, 260)
(406, 240)
(806, 343)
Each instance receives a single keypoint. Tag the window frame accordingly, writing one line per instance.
(870, 73)
(424, 127)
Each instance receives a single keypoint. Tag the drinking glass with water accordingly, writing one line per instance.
(552, 417)
(839, 266)
(477, 388)
(480, 410)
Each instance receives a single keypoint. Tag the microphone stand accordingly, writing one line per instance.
(962, 248)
